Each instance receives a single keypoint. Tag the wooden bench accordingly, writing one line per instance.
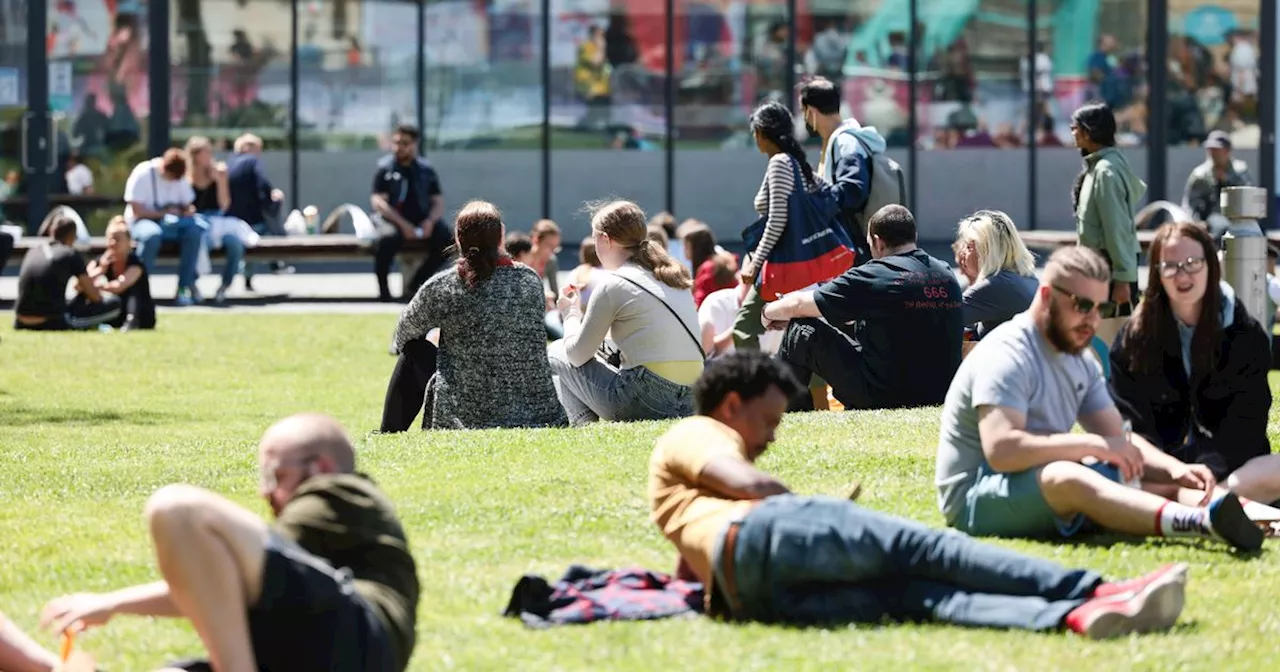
(318, 247)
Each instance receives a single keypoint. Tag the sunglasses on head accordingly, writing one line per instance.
(1084, 306)
(1190, 265)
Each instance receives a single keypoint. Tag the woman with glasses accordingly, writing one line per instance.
(1000, 270)
(1189, 369)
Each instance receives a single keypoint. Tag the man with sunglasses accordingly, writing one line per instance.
(410, 204)
(1008, 464)
(331, 586)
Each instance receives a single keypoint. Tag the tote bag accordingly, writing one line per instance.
(813, 248)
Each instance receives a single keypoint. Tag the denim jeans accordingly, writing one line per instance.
(188, 232)
(821, 560)
(596, 391)
(231, 243)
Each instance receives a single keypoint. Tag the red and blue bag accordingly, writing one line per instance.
(814, 247)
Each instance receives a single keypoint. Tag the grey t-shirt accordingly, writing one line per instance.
(1016, 367)
(991, 301)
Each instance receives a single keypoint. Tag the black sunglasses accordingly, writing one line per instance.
(1084, 306)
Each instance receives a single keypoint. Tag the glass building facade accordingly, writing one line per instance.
(540, 105)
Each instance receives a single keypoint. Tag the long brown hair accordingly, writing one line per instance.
(479, 227)
(702, 245)
(624, 223)
(1154, 320)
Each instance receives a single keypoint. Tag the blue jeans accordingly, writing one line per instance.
(188, 232)
(234, 249)
(821, 560)
(596, 391)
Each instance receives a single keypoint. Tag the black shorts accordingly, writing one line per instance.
(309, 617)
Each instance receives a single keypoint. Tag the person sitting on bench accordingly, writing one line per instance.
(1189, 369)
(42, 287)
(331, 586)
(407, 200)
(161, 208)
(764, 554)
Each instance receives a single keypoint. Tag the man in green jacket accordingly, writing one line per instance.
(1106, 197)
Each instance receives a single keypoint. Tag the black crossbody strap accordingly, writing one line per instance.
(684, 326)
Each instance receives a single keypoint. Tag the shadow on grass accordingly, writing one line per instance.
(1109, 539)
(23, 416)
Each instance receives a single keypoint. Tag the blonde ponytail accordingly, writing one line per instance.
(664, 267)
(625, 224)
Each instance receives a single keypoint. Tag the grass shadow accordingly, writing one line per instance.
(24, 416)
(1110, 539)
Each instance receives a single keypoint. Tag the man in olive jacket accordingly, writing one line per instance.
(1106, 197)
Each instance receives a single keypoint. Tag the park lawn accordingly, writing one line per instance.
(91, 424)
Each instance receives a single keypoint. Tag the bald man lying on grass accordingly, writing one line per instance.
(330, 586)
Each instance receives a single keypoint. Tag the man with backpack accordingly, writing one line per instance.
(853, 161)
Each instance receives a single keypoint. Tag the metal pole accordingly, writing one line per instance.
(1267, 102)
(1033, 34)
(294, 151)
(1245, 247)
(421, 80)
(913, 120)
(1158, 82)
(789, 77)
(670, 108)
(157, 74)
(546, 108)
(34, 152)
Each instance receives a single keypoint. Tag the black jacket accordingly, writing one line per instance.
(1225, 412)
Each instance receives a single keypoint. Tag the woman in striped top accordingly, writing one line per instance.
(773, 128)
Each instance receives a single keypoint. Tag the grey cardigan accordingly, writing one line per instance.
(492, 370)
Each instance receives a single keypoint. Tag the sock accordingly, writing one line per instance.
(1179, 520)
(1257, 511)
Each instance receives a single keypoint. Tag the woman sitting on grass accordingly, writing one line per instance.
(1000, 270)
(701, 249)
(119, 271)
(646, 307)
(491, 367)
(1189, 369)
(589, 270)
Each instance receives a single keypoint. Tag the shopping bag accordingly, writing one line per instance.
(814, 247)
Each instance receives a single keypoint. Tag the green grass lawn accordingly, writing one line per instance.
(91, 424)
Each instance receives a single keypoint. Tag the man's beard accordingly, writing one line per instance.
(809, 127)
(1059, 335)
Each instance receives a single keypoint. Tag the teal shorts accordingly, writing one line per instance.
(1011, 505)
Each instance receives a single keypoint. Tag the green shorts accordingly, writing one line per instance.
(1011, 505)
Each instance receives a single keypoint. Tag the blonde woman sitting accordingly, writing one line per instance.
(646, 306)
(1000, 270)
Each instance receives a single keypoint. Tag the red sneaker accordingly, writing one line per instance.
(1134, 585)
(1155, 606)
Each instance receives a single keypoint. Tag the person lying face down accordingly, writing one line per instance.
(334, 568)
(764, 554)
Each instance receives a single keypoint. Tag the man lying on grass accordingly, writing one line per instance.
(766, 555)
(1007, 464)
(331, 586)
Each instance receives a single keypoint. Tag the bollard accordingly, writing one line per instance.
(1245, 248)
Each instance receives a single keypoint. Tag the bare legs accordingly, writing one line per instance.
(1258, 479)
(211, 553)
(20, 653)
(1071, 488)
